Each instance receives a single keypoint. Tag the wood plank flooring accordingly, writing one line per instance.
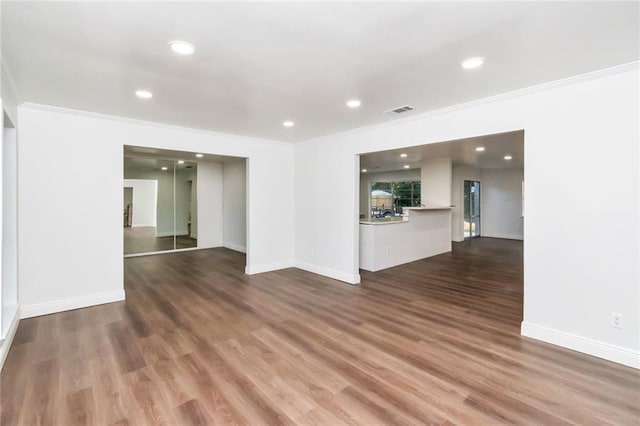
(198, 342)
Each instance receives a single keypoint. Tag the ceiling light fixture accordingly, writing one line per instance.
(165, 168)
(406, 166)
(480, 148)
(364, 170)
(471, 63)
(180, 161)
(403, 155)
(199, 155)
(144, 94)
(288, 123)
(354, 103)
(182, 47)
(508, 157)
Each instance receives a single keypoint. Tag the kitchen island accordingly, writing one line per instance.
(424, 232)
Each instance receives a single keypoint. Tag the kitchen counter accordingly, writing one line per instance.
(426, 232)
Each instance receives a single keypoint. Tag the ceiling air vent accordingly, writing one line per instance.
(400, 110)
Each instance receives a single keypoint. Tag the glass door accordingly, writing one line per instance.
(471, 208)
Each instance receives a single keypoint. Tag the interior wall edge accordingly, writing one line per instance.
(267, 267)
(581, 344)
(235, 247)
(55, 306)
(5, 345)
(328, 272)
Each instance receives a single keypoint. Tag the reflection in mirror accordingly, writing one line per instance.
(159, 202)
(185, 205)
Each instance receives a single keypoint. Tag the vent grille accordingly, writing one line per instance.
(400, 110)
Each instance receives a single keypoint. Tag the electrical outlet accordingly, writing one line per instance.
(616, 320)
(387, 250)
(312, 254)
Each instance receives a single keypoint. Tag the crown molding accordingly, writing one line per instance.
(154, 124)
(593, 75)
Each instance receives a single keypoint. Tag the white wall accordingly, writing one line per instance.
(366, 179)
(235, 205)
(581, 216)
(436, 182)
(9, 230)
(573, 279)
(61, 270)
(209, 205)
(501, 203)
(145, 197)
(3, 348)
(9, 295)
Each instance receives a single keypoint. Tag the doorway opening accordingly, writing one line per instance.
(471, 209)
(177, 200)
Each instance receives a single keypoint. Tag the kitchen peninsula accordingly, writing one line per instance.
(424, 232)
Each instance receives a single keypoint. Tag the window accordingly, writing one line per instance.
(388, 198)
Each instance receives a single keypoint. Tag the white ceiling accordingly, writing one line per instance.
(461, 152)
(258, 64)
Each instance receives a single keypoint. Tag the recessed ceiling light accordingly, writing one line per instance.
(165, 168)
(144, 94)
(180, 161)
(508, 157)
(199, 155)
(471, 63)
(288, 123)
(480, 148)
(403, 155)
(364, 170)
(182, 47)
(406, 166)
(354, 103)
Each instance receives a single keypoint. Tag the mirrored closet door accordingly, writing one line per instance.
(160, 202)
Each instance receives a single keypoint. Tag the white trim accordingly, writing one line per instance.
(144, 225)
(5, 345)
(478, 102)
(267, 267)
(585, 345)
(328, 272)
(55, 306)
(235, 247)
(503, 236)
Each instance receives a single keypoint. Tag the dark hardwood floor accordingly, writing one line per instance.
(198, 342)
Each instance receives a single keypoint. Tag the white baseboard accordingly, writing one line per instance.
(585, 345)
(236, 247)
(259, 269)
(503, 236)
(37, 309)
(328, 272)
(5, 345)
